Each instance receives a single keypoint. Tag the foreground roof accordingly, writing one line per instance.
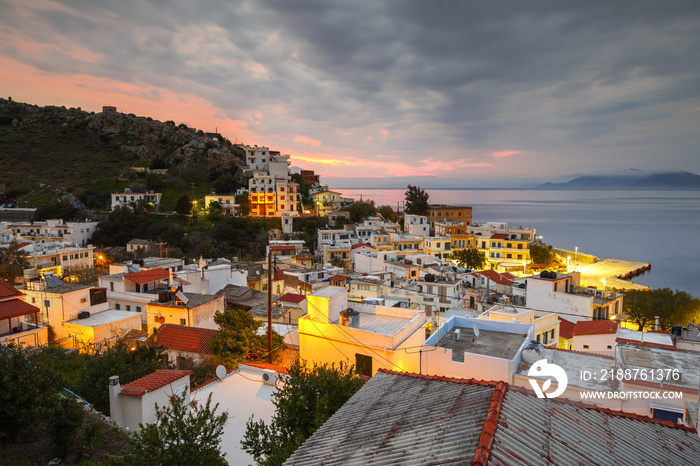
(16, 308)
(415, 419)
(595, 327)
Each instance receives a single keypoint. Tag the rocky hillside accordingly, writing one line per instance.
(52, 151)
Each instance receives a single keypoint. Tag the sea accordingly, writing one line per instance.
(657, 226)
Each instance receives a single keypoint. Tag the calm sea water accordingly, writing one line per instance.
(661, 227)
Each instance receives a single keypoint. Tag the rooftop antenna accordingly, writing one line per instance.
(476, 333)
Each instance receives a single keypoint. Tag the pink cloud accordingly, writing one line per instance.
(505, 153)
(331, 165)
(430, 164)
(346, 132)
(384, 132)
(307, 140)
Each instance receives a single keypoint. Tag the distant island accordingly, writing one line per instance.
(670, 180)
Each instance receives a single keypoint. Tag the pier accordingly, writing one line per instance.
(613, 271)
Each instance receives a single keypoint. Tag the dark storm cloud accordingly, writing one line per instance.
(459, 77)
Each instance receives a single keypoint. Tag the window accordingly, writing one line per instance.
(65, 258)
(538, 338)
(585, 346)
(155, 318)
(128, 308)
(609, 346)
(111, 286)
(138, 309)
(552, 334)
(363, 364)
(33, 300)
(544, 335)
(117, 306)
(183, 322)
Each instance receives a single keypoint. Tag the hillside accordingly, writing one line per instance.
(50, 152)
(670, 180)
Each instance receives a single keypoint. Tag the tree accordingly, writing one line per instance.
(183, 205)
(214, 211)
(308, 398)
(238, 339)
(416, 201)
(470, 258)
(541, 254)
(58, 209)
(243, 202)
(182, 435)
(642, 307)
(387, 212)
(360, 210)
(25, 390)
(336, 261)
(13, 261)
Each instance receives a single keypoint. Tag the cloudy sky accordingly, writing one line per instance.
(465, 91)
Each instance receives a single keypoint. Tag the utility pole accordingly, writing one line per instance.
(269, 306)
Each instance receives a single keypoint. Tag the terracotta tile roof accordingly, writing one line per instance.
(23, 245)
(7, 290)
(338, 278)
(496, 277)
(264, 365)
(151, 382)
(286, 247)
(359, 245)
(499, 236)
(184, 338)
(566, 328)
(292, 298)
(16, 308)
(595, 327)
(279, 275)
(147, 276)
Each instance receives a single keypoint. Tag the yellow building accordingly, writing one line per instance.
(367, 336)
(326, 201)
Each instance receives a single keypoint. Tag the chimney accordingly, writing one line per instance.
(114, 408)
(656, 322)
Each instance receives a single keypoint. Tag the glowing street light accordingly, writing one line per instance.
(568, 258)
(603, 284)
(576, 256)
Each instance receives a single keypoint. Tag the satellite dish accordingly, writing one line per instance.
(476, 331)
(220, 371)
(161, 319)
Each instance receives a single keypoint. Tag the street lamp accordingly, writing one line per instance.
(576, 256)
(603, 284)
(568, 258)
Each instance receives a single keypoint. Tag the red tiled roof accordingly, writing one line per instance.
(279, 274)
(566, 328)
(289, 247)
(16, 308)
(182, 281)
(595, 327)
(184, 338)
(265, 365)
(151, 382)
(23, 245)
(292, 298)
(495, 277)
(147, 276)
(7, 290)
(338, 278)
(499, 236)
(359, 245)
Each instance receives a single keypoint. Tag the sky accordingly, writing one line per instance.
(448, 93)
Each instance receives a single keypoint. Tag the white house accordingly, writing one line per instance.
(128, 197)
(134, 403)
(416, 225)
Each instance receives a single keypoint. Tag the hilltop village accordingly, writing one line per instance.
(442, 316)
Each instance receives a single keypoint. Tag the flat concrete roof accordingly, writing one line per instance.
(328, 292)
(103, 318)
(489, 343)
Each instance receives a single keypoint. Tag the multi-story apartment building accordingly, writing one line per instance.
(449, 213)
(77, 233)
(504, 246)
(58, 257)
(128, 197)
(227, 202)
(561, 293)
(439, 247)
(416, 225)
